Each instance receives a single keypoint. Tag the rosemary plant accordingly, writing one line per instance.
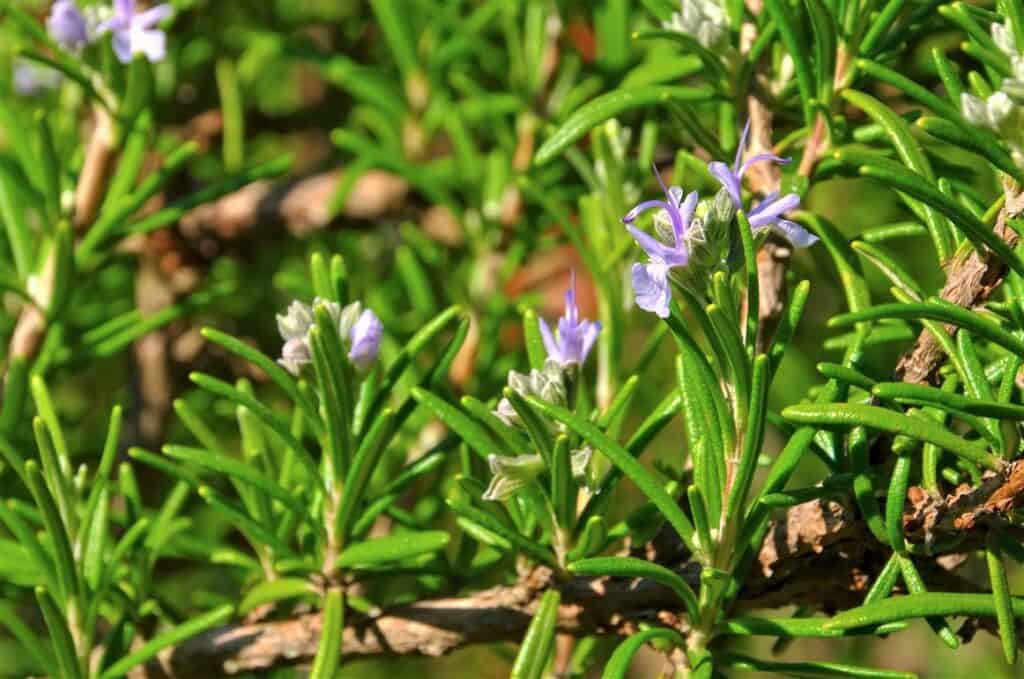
(342, 331)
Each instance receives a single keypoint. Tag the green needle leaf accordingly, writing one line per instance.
(629, 567)
(625, 462)
(847, 415)
(618, 664)
(393, 548)
(609, 105)
(328, 654)
(152, 648)
(535, 651)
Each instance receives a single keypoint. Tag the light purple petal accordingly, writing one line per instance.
(554, 351)
(686, 210)
(730, 181)
(650, 285)
(769, 210)
(741, 147)
(152, 43)
(644, 207)
(365, 338)
(122, 44)
(124, 9)
(798, 236)
(66, 25)
(572, 311)
(758, 157)
(591, 331)
(656, 249)
(151, 17)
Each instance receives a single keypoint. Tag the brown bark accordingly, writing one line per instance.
(819, 553)
(301, 206)
(969, 284)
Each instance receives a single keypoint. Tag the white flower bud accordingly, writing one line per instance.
(296, 322)
(1002, 35)
(703, 20)
(509, 474)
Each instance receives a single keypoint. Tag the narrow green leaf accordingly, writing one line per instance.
(535, 650)
(630, 567)
(922, 395)
(921, 605)
(936, 311)
(26, 637)
(274, 591)
(618, 665)
(623, 460)
(893, 174)
(895, 499)
(751, 441)
(535, 349)
(393, 548)
(1002, 599)
(363, 465)
(276, 423)
(63, 559)
(851, 415)
(796, 46)
(152, 648)
(328, 654)
(816, 669)
(475, 436)
(243, 472)
(609, 105)
(60, 635)
(275, 372)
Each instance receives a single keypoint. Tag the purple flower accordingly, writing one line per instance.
(66, 24)
(768, 213)
(365, 340)
(650, 281)
(575, 337)
(134, 33)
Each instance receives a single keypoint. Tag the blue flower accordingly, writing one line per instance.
(67, 26)
(650, 280)
(768, 213)
(135, 32)
(575, 337)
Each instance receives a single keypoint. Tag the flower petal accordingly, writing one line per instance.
(655, 249)
(650, 284)
(741, 147)
(124, 9)
(554, 351)
(758, 157)
(728, 179)
(591, 331)
(644, 207)
(798, 236)
(151, 17)
(122, 44)
(769, 210)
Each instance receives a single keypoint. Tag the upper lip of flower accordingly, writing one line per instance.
(575, 337)
(681, 214)
(731, 177)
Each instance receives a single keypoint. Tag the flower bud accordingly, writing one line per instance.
(295, 354)
(296, 322)
(365, 339)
